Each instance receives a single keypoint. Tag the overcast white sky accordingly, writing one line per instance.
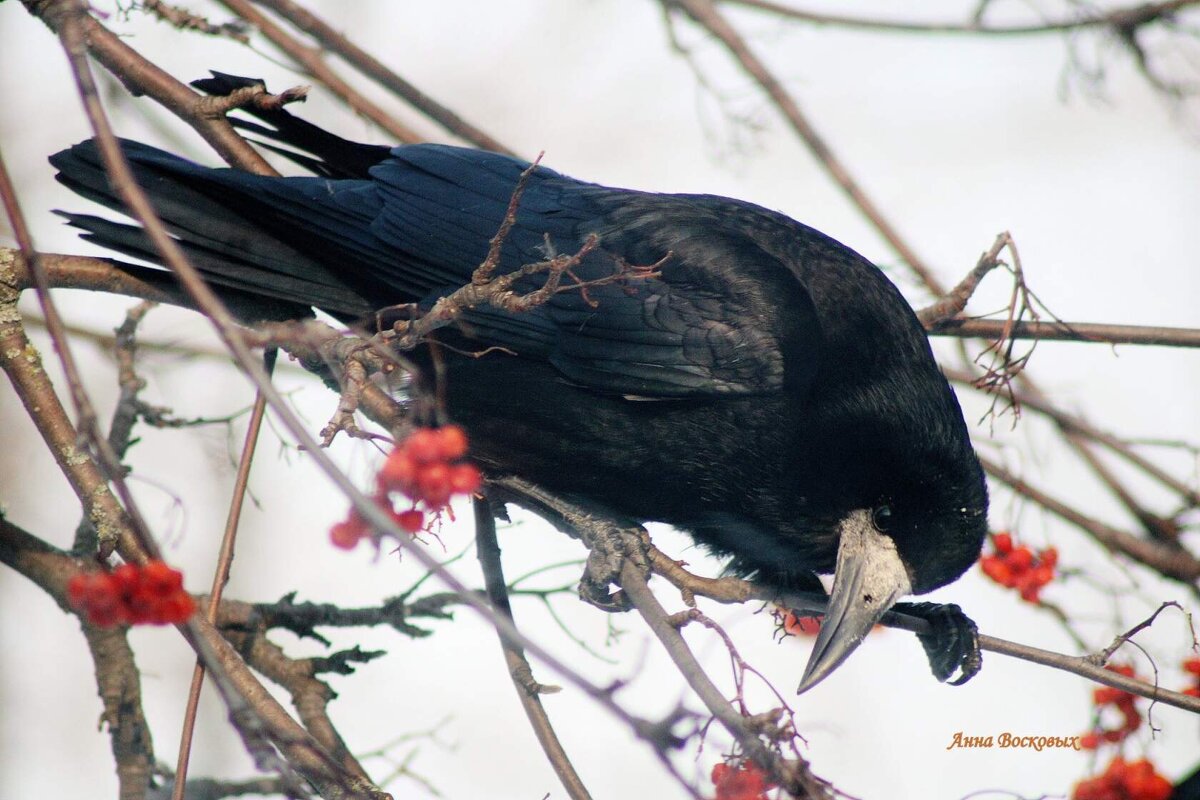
(956, 138)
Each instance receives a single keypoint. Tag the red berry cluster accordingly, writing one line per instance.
(1017, 568)
(800, 626)
(1192, 666)
(422, 467)
(1123, 702)
(426, 468)
(744, 781)
(1135, 780)
(131, 594)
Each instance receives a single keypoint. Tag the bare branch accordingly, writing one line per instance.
(1092, 332)
(707, 16)
(311, 61)
(1168, 559)
(185, 20)
(1117, 19)
(368, 65)
(142, 77)
(220, 578)
(528, 689)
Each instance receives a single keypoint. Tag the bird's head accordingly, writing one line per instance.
(917, 522)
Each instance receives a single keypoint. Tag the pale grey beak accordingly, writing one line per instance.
(868, 579)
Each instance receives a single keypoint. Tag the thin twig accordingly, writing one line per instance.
(954, 301)
(706, 15)
(368, 65)
(311, 61)
(118, 679)
(1117, 19)
(185, 20)
(220, 578)
(1168, 559)
(142, 77)
(70, 19)
(793, 774)
(487, 548)
(1076, 424)
(1050, 331)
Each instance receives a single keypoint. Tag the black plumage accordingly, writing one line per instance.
(769, 391)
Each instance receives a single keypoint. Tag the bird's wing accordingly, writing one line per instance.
(717, 314)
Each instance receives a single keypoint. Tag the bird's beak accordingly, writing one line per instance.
(868, 579)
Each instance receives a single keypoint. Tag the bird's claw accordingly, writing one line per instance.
(952, 644)
(610, 548)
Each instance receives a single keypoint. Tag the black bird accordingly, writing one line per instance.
(769, 391)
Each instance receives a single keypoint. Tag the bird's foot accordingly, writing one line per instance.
(612, 540)
(952, 644)
(610, 547)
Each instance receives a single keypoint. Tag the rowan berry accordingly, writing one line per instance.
(452, 442)
(347, 533)
(134, 594)
(411, 520)
(424, 445)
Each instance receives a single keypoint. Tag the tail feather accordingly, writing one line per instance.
(334, 157)
(224, 241)
(222, 270)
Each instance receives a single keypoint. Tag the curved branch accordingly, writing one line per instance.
(1120, 19)
(142, 77)
(370, 66)
(117, 677)
(528, 689)
(1068, 332)
(732, 590)
(1168, 558)
(312, 62)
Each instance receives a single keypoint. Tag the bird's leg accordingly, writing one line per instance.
(952, 643)
(611, 539)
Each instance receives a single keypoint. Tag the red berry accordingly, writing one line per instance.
(411, 520)
(100, 591)
(176, 609)
(452, 441)
(424, 445)
(126, 577)
(744, 782)
(465, 479)
(1043, 574)
(160, 578)
(142, 606)
(1192, 665)
(398, 472)
(1003, 542)
(346, 534)
(433, 484)
(1049, 557)
(996, 569)
(1089, 741)
(1020, 559)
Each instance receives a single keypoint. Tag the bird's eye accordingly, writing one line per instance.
(882, 517)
